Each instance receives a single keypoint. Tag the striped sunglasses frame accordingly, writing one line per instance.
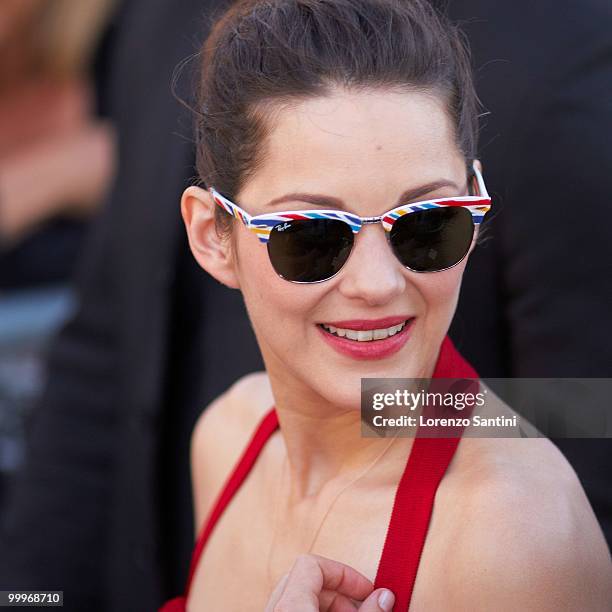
(262, 225)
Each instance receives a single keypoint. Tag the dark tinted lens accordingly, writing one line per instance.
(434, 239)
(309, 250)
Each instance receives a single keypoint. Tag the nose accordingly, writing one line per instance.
(372, 272)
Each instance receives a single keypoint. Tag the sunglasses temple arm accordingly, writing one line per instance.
(230, 207)
(482, 190)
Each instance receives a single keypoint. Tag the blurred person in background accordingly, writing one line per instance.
(106, 471)
(102, 507)
(536, 300)
(57, 156)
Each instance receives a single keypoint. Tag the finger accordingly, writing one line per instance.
(379, 600)
(311, 574)
(330, 601)
(277, 593)
(295, 593)
(333, 576)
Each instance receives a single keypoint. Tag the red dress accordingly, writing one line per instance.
(425, 467)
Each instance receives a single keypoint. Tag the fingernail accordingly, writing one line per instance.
(386, 600)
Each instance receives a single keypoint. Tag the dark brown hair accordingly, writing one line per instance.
(264, 55)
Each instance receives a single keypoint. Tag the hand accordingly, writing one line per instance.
(317, 584)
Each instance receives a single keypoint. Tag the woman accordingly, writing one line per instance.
(345, 110)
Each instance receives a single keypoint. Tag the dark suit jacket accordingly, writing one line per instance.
(103, 501)
(536, 298)
(102, 507)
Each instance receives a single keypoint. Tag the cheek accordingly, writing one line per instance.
(440, 290)
(272, 303)
(251, 265)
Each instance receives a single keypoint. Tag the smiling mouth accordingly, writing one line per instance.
(369, 335)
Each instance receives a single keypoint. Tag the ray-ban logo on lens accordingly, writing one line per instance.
(283, 227)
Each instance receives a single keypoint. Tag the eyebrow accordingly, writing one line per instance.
(333, 202)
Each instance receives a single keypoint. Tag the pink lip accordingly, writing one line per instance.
(375, 349)
(365, 324)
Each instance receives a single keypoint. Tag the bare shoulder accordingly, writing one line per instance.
(234, 414)
(524, 536)
(221, 434)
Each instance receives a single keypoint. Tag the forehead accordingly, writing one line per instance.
(352, 143)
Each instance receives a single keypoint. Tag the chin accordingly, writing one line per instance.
(343, 398)
(349, 403)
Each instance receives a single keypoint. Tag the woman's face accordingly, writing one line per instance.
(365, 150)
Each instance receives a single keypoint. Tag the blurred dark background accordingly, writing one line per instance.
(57, 160)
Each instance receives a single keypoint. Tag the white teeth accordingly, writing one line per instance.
(379, 334)
(365, 335)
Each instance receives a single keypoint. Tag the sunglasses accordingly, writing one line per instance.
(311, 246)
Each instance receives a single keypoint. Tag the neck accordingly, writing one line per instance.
(324, 445)
(323, 442)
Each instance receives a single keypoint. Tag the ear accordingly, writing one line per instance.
(211, 251)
